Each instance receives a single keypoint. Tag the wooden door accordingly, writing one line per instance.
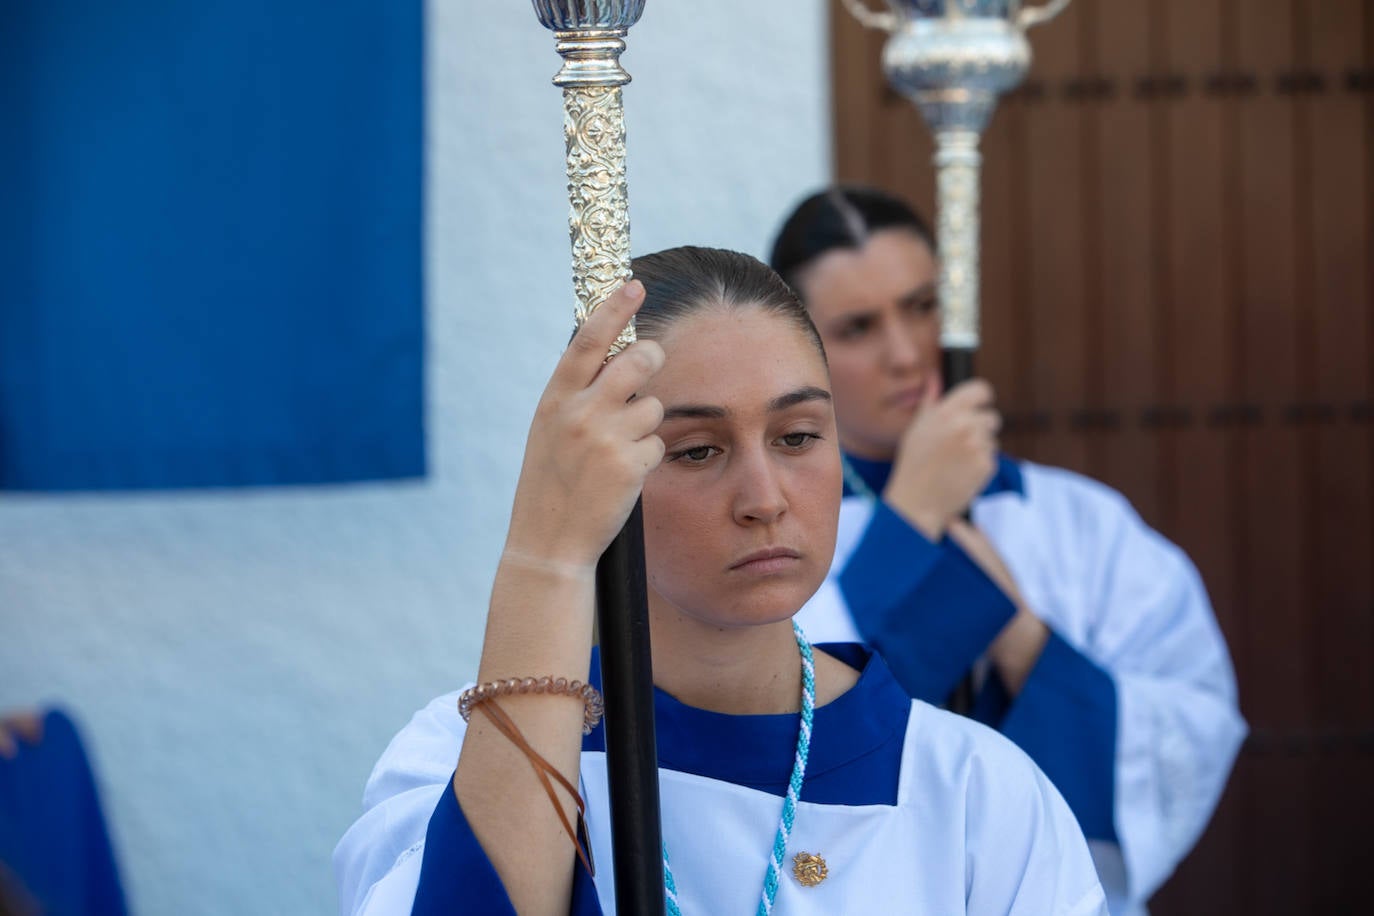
(1178, 299)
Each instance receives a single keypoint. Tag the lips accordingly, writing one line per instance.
(907, 398)
(768, 560)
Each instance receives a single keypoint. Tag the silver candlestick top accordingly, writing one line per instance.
(953, 58)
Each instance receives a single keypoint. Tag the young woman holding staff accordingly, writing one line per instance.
(795, 779)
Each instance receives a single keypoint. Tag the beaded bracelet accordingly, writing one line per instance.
(593, 707)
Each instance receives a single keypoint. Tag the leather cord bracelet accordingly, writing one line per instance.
(543, 769)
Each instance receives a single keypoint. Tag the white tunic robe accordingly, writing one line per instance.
(973, 825)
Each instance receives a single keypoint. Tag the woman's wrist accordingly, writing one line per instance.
(1017, 648)
(540, 620)
(929, 520)
(549, 564)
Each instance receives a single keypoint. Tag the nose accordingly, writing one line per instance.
(758, 491)
(902, 349)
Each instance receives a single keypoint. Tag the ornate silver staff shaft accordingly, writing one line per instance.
(953, 58)
(591, 36)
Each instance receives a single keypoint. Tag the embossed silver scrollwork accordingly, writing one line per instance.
(599, 221)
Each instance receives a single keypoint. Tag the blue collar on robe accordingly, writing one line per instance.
(1006, 479)
(856, 739)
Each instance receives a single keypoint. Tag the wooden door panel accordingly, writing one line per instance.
(1126, 288)
(1054, 288)
(1338, 325)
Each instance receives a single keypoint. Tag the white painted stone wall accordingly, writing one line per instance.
(239, 659)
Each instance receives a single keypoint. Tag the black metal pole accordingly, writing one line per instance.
(957, 367)
(627, 682)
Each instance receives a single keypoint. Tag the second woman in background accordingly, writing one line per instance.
(1090, 636)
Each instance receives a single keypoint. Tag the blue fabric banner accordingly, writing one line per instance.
(210, 242)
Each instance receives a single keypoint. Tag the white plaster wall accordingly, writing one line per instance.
(239, 659)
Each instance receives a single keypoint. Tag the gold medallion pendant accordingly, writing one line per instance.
(809, 869)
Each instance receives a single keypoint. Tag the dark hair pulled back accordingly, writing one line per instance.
(680, 282)
(839, 217)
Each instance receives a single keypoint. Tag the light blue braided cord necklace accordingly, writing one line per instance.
(789, 805)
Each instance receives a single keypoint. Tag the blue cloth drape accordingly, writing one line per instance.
(210, 242)
(52, 830)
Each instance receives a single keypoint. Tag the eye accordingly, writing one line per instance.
(697, 454)
(856, 327)
(920, 305)
(799, 441)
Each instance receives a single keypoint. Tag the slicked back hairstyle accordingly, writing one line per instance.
(679, 282)
(841, 216)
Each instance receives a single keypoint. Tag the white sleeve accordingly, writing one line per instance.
(377, 863)
(1026, 855)
(1134, 604)
(1179, 728)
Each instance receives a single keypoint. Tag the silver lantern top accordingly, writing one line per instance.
(953, 58)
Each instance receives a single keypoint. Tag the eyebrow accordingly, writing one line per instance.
(712, 412)
(695, 411)
(924, 289)
(800, 396)
(928, 288)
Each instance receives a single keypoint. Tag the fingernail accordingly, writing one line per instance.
(634, 289)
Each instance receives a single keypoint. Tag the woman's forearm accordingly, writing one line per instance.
(540, 623)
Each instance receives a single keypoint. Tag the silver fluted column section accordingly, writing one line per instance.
(590, 36)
